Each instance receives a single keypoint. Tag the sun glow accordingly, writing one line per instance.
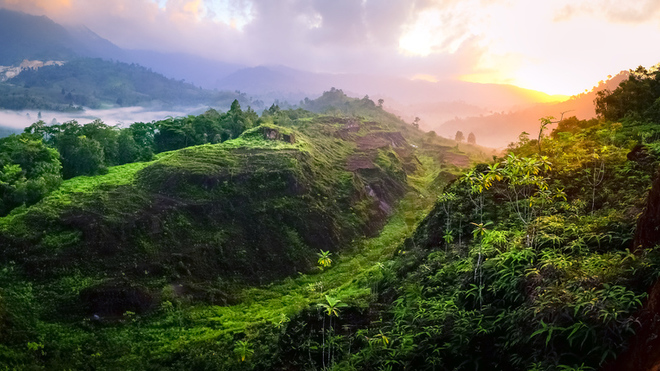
(425, 77)
(432, 32)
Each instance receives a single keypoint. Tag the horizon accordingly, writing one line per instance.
(556, 48)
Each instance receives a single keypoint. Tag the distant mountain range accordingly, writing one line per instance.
(31, 37)
(24, 36)
(299, 84)
(444, 106)
(500, 128)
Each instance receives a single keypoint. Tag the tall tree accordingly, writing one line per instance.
(472, 139)
(28, 171)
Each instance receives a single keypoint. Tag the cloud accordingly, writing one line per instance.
(318, 35)
(554, 45)
(632, 12)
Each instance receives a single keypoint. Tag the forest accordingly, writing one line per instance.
(338, 239)
(97, 83)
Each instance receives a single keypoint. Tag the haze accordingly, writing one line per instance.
(530, 44)
(491, 67)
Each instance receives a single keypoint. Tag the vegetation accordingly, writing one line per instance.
(207, 256)
(29, 170)
(181, 261)
(542, 273)
(96, 83)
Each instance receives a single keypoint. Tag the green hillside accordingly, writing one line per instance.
(97, 83)
(174, 262)
(344, 239)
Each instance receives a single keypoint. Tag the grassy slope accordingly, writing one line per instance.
(50, 316)
(206, 334)
(562, 292)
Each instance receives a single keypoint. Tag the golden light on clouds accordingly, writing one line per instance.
(193, 7)
(432, 32)
(425, 77)
(46, 5)
(556, 46)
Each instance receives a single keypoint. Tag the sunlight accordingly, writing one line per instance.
(425, 77)
(531, 77)
(432, 32)
(416, 42)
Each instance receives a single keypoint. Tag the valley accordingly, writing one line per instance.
(329, 186)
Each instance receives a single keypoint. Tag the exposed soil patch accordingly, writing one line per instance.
(455, 159)
(360, 161)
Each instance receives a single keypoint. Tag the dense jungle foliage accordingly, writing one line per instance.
(203, 258)
(181, 260)
(30, 162)
(528, 263)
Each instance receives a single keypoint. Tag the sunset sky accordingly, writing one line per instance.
(555, 46)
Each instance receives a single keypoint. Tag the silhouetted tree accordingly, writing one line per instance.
(459, 136)
(472, 139)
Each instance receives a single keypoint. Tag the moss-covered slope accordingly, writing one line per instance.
(249, 210)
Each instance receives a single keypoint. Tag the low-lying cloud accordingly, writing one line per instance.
(116, 116)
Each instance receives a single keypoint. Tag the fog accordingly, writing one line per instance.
(117, 116)
(525, 43)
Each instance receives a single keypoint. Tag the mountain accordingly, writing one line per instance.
(31, 37)
(180, 66)
(296, 84)
(25, 36)
(500, 128)
(97, 83)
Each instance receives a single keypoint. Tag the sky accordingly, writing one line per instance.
(554, 46)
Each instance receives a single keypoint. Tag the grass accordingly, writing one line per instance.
(181, 328)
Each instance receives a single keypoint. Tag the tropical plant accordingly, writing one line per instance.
(243, 350)
(324, 259)
(330, 309)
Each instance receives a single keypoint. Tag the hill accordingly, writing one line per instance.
(28, 37)
(196, 228)
(296, 85)
(500, 128)
(96, 83)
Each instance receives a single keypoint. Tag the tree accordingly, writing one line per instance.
(596, 173)
(416, 122)
(236, 121)
(143, 134)
(472, 139)
(380, 102)
(29, 170)
(107, 136)
(446, 201)
(127, 148)
(80, 156)
(459, 136)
